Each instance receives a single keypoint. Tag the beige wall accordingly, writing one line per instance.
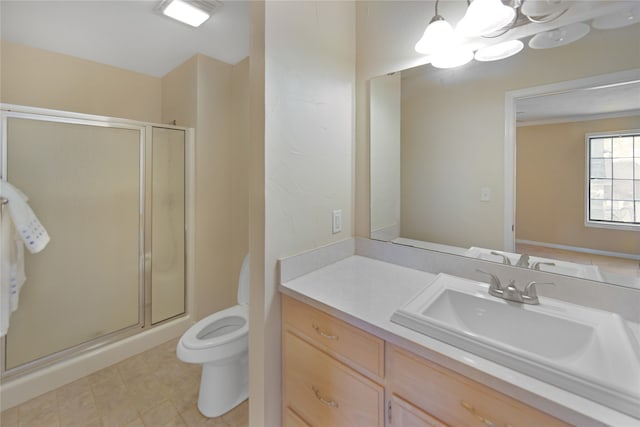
(309, 50)
(203, 93)
(40, 78)
(551, 179)
(212, 97)
(240, 170)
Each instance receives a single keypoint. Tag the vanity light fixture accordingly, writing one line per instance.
(447, 47)
(617, 20)
(193, 13)
(438, 35)
(443, 44)
(560, 36)
(484, 17)
(499, 51)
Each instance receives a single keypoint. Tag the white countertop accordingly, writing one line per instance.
(366, 292)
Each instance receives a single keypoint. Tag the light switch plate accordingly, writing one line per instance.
(336, 223)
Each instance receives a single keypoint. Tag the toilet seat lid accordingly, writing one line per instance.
(233, 323)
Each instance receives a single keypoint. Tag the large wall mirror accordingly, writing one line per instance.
(490, 160)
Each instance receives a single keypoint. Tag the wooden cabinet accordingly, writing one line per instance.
(454, 399)
(319, 389)
(333, 376)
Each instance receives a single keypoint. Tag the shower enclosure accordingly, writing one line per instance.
(111, 194)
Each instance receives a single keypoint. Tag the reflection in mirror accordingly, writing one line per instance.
(455, 188)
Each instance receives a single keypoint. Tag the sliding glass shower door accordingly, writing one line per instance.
(112, 199)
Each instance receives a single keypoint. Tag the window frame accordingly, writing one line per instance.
(588, 222)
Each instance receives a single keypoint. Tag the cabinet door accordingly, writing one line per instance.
(325, 392)
(405, 414)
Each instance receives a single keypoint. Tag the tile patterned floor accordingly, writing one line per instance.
(151, 389)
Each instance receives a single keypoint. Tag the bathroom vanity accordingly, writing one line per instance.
(345, 363)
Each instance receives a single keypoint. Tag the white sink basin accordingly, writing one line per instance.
(582, 271)
(587, 351)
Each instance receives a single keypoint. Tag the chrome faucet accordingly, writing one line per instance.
(511, 292)
(523, 261)
(536, 265)
(505, 259)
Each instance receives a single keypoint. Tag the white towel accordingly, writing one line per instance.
(12, 243)
(33, 234)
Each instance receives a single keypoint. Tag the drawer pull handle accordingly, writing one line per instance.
(329, 403)
(475, 413)
(324, 334)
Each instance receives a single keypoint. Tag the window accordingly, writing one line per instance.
(613, 173)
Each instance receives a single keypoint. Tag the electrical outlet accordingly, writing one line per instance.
(485, 194)
(336, 222)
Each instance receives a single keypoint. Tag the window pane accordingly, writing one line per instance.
(600, 189)
(599, 211)
(614, 178)
(601, 168)
(623, 168)
(622, 189)
(623, 146)
(600, 147)
(622, 211)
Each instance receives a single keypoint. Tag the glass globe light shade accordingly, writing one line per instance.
(485, 17)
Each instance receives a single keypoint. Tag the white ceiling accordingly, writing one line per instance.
(607, 101)
(127, 34)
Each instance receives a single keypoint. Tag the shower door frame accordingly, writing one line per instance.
(8, 111)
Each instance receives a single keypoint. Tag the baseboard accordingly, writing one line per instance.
(579, 249)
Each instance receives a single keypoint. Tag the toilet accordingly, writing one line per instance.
(220, 342)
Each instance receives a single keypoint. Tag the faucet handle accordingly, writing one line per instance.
(505, 259)
(523, 261)
(495, 281)
(530, 292)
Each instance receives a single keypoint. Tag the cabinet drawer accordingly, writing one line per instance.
(325, 392)
(407, 415)
(456, 400)
(336, 336)
(291, 419)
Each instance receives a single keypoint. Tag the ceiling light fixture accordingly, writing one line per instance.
(193, 13)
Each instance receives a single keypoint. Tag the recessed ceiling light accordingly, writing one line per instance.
(193, 13)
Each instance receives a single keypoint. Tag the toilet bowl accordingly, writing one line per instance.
(220, 342)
